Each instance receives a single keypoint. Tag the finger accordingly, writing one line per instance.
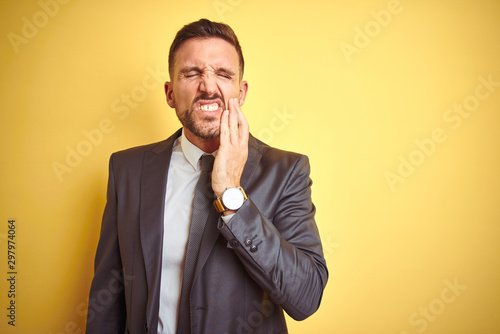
(224, 130)
(233, 121)
(243, 128)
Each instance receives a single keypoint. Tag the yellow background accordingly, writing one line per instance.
(393, 242)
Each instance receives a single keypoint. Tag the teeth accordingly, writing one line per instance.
(209, 107)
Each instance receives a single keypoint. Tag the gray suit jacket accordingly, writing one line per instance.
(267, 258)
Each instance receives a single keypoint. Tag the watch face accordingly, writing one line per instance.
(233, 198)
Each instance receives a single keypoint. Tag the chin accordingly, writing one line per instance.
(205, 132)
(211, 135)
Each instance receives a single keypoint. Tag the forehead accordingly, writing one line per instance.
(203, 52)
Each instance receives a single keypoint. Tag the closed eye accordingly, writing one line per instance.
(191, 74)
(226, 74)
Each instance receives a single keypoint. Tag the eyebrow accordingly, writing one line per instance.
(225, 70)
(189, 69)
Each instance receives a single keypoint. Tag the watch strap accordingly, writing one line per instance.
(219, 206)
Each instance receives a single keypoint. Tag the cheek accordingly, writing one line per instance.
(229, 90)
(185, 95)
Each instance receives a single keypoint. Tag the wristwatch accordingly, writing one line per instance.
(231, 199)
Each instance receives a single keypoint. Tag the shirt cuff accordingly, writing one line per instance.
(227, 218)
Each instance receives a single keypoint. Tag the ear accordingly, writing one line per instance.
(169, 92)
(243, 91)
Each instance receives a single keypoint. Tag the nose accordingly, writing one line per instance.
(208, 84)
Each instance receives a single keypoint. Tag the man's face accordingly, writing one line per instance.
(205, 76)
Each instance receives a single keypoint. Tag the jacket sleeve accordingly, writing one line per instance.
(106, 310)
(281, 248)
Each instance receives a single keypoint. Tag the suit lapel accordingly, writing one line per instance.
(153, 185)
(211, 233)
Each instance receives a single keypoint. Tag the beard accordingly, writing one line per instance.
(205, 127)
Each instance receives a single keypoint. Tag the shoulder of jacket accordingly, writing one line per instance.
(133, 152)
(270, 153)
(138, 152)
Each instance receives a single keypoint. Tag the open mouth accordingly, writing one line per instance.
(209, 107)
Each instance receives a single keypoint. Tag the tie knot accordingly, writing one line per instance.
(207, 162)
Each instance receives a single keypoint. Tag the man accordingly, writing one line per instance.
(258, 250)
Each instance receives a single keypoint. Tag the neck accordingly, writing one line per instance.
(206, 145)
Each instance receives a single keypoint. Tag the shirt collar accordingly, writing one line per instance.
(191, 152)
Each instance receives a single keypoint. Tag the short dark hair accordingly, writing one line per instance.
(205, 28)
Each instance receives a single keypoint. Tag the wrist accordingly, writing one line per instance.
(218, 193)
(229, 212)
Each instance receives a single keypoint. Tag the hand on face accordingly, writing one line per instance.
(233, 150)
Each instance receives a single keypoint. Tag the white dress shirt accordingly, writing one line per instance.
(183, 174)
